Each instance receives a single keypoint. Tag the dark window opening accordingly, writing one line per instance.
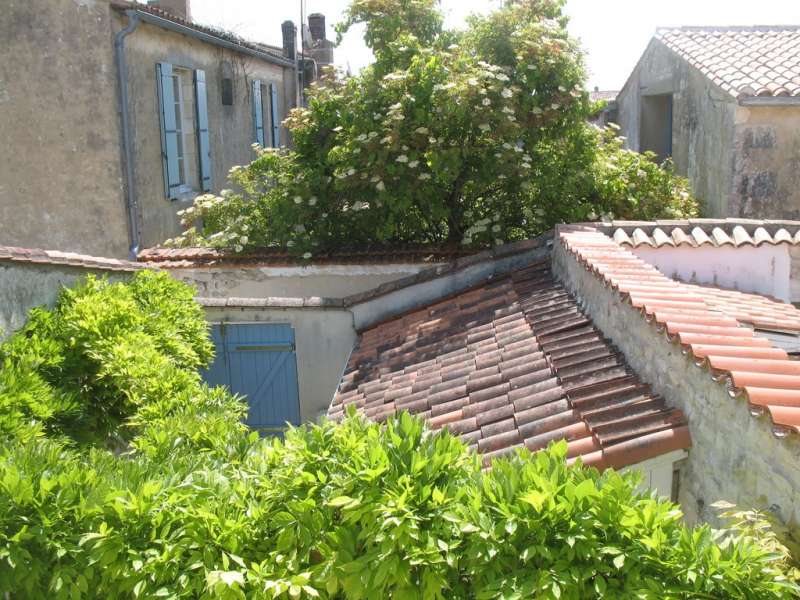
(656, 125)
(227, 91)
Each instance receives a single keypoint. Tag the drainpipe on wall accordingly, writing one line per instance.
(122, 79)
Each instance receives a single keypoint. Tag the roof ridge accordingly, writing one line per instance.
(718, 28)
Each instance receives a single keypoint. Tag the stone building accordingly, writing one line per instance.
(115, 115)
(724, 103)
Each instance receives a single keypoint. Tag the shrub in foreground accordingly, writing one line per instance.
(110, 360)
(352, 510)
(187, 504)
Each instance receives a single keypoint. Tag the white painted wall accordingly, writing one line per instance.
(764, 269)
(657, 473)
(331, 281)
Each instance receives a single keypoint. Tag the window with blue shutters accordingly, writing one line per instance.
(185, 136)
(169, 118)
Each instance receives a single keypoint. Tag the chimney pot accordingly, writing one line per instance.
(289, 32)
(178, 8)
(316, 23)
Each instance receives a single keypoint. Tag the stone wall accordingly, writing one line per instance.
(766, 162)
(734, 456)
(60, 168)
(24, 286)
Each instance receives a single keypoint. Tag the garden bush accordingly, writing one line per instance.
(352, 510)
(110, 358)
(171, 497)
(470, 138)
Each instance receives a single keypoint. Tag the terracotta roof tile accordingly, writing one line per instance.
(743, 61)
(714, 325)
(71, 259)
(705, 232)
(510, 363)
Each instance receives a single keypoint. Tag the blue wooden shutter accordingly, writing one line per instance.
(276, 121)
(258, 361)
(203, 142)
(169, 130)
(258, 112)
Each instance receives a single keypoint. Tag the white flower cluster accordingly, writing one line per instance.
(482, 226)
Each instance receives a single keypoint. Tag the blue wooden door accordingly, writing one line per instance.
(257, 360)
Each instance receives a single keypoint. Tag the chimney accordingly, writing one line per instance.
(316, 23)
(289, 32)
(178, 8)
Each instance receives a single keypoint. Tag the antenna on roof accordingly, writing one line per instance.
(302, 53)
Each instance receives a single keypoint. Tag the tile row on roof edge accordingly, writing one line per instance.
(444, 269)
(701, 361)
(38, 256)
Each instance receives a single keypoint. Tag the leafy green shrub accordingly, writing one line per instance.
(471, 137)
(109, 355)
(351, 510)
(193, 506)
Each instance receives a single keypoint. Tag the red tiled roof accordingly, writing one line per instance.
(71, 259)
(509, 364)
(705, 232)
(743, 61)
(711, 325)
(756, 310)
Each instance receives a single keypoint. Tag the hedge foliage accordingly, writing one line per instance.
(473, 137)
(110, 360)
(176, 500)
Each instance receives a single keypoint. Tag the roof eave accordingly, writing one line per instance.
(770, 101)
(164, 23)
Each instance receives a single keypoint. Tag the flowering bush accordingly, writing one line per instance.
(473, 137)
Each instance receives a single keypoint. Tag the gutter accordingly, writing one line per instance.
(770, 101)
(122, 79)
(210, 39)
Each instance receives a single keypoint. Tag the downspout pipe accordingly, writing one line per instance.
(127, 150)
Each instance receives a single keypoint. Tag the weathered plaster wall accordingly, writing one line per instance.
(764, 269)
(767, 163)
(734, 456)
(794, 277)
(60, 169)
(323, 340)
(231, 127)
(332, 281)
(24, 286)
(702, 123)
